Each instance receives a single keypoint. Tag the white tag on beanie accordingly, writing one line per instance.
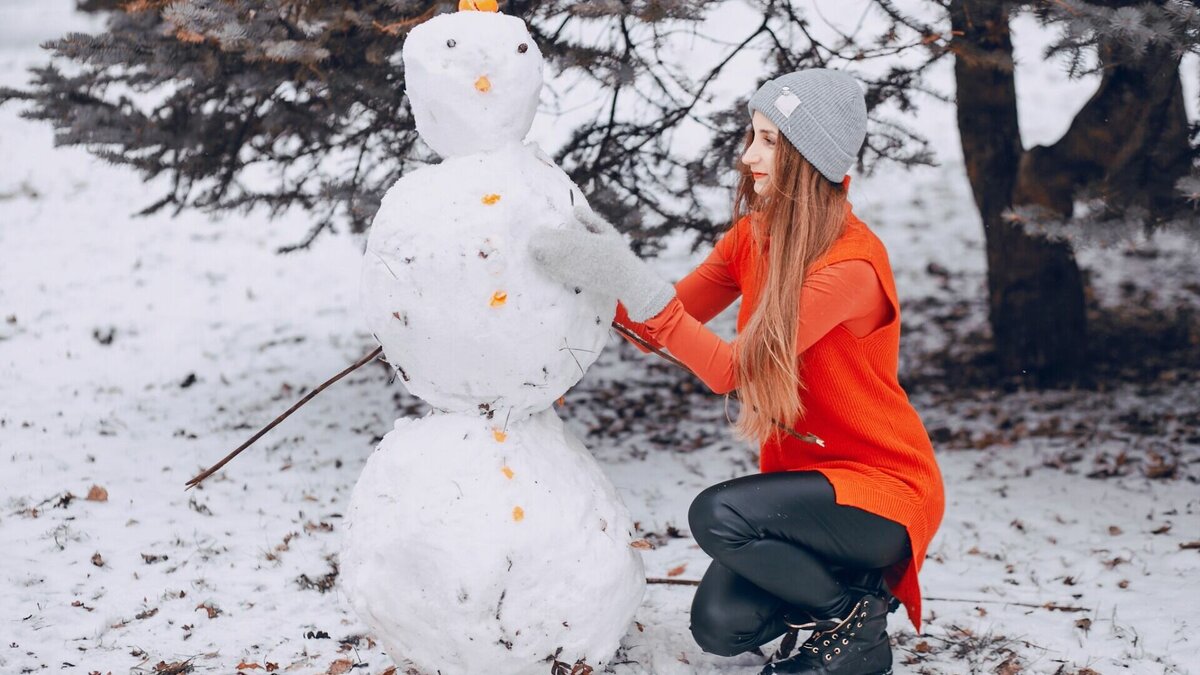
(786, 103)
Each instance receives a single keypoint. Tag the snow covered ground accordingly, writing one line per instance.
(133, 352)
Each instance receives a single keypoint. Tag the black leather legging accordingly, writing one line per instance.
(779, 543)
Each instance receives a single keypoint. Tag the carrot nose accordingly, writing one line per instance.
(483, 84)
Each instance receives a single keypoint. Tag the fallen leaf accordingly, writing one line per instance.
(1011, 666)
(1159, 467)
(1186, 545)
(97, 494)
(174, 668)
(645, 545)
(676, 571)
(248, 666)
(922, 647)
(97, 560)
(339, 667)
(1113, 530)
(1084, 624)
(212, 610)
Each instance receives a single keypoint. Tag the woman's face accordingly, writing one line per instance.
(760, 156)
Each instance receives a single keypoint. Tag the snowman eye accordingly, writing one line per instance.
(450, 42)
(522, 48)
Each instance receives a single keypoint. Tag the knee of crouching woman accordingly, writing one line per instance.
(702, 515)
(715, 523)
(710, 632)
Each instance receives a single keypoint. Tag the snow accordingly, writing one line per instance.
(134, 352)
(521, 545)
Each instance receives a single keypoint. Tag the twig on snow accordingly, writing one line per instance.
(1051, 606)
(308, 397)
(672, 582)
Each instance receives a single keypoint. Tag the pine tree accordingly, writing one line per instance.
(213, 93)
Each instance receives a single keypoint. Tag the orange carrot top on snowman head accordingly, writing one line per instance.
(478, 6)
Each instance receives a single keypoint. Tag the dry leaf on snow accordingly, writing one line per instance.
(212, 610)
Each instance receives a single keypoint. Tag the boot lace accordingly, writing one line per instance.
(827, 644)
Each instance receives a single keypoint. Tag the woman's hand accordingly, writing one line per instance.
(595, 256)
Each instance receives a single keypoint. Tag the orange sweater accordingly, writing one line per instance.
(876, 452)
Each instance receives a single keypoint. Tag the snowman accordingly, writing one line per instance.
(483, 537)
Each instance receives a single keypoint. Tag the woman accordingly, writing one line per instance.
(834, 529)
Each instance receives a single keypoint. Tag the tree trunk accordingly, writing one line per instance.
(99, 5)
(1035, 289)
(1130, 140)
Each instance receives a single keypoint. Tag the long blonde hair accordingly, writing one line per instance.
(800, 215)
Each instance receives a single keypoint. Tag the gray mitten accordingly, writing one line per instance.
(596, 257)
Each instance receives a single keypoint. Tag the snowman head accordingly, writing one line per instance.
(472, 79)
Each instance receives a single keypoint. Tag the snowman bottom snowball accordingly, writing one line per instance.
(466, 554)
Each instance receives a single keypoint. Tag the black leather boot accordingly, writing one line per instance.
(855, 645)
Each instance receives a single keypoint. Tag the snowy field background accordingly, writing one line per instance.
(133, 352)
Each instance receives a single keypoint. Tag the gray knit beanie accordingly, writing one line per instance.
(822, 112)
